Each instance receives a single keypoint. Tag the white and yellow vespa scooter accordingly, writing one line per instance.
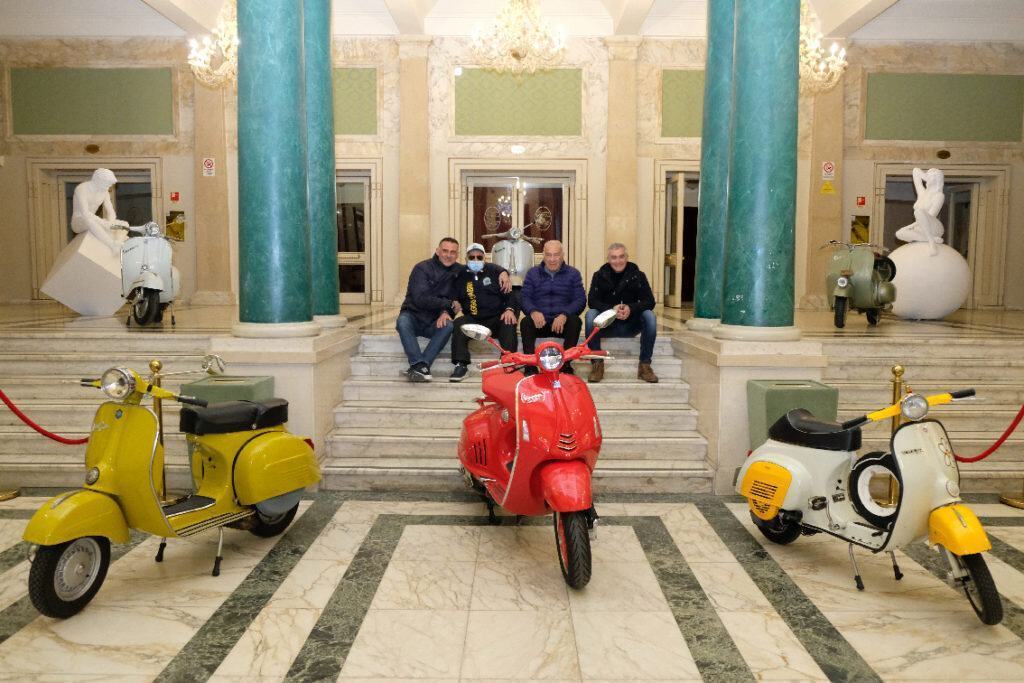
(249, 472)
(806, 478)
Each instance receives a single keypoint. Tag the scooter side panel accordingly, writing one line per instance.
(76, 514)
(925, 470)
(273, 463)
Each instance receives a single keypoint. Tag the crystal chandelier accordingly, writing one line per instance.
(518, 41)
(819, 70)
(222, 49)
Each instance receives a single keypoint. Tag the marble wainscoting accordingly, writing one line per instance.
(395, 587)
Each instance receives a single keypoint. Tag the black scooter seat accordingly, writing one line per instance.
(234, 416)
(800, 428)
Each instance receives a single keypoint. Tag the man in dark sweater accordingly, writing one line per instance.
(553, 299)
(621, 285)
(478, 291)
(429, 308)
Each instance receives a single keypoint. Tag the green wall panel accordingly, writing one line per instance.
(92, 101)
(544, 103)
(965, 107)
(682, 103)
(355, 101)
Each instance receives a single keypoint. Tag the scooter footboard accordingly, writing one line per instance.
(74, 515)
(566, 485)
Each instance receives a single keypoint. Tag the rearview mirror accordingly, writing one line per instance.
(213, 364)
(478, 332)
(605, 318)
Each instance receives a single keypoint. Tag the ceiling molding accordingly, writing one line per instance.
(408, 15)
(192, 16)
(841, 18)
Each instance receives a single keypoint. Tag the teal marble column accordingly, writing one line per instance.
(273, 229)
(320, 176)
(714, 165)
(757, 290)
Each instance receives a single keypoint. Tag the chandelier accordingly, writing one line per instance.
(222, 49)
(819, 70)
(518, 41)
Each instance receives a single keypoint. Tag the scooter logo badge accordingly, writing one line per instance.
(99, 426)
(531, 398)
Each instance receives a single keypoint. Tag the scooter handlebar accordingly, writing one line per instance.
(963, 393)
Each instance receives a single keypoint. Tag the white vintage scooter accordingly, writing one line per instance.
(807, 478)
(149, 282)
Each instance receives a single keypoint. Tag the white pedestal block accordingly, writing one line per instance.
(86, 277)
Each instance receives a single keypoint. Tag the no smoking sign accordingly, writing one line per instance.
(828, 170)
(209, 166)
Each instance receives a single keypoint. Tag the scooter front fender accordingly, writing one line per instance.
(147, 279)
(76, 514)
(957, 529)
(566, 485)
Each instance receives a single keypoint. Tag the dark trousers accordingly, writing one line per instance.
(570, 333)
(505, 333)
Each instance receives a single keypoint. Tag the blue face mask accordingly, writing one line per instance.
(475, 266)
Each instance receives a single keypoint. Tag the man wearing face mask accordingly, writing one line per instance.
(478, 290)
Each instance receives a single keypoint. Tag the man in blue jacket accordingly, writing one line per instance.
(428, 308)
(553, 298)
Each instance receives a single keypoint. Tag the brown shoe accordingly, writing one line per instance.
(644, 372)
(596, 371)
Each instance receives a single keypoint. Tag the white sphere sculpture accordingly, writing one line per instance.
(929, 286)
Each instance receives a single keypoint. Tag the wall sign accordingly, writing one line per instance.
(209, 166)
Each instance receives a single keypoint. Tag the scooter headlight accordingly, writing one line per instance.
(117, 383)
(550, 358)
(153, 229)
(914, 407)
(842, 281)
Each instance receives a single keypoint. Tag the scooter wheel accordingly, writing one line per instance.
(981, 589)
(65, 577)
(840, 312)
(266, 527)
(573, 542)
(777, 531)
(873, 315)
(145, 310)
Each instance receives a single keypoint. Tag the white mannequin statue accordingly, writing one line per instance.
(926, 226)
(88, 197)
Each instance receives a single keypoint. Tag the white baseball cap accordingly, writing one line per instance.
(476, 246)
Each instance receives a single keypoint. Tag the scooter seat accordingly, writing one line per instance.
(234, 416)
(800, 428)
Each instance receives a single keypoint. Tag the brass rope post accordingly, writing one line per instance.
(897, 419)
(155, 366)
(9, 495)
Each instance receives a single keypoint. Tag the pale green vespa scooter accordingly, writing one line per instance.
(859, 278)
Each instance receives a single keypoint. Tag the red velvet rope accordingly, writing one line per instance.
(999, 441)
(27, 420)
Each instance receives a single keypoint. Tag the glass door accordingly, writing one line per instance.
(681, 192)
(353, 207)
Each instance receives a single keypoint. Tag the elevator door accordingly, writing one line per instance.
(353, 207)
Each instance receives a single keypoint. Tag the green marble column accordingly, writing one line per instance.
(757, 289)
(320, 156)
(714, 164)
(273, 229)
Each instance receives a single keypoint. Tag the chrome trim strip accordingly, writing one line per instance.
(185, 512)
(515, 458)
(152, 459)
(53, 506)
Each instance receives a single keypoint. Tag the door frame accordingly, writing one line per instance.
(46, 231)
(662, 167)
(375, 226)
(991, 214)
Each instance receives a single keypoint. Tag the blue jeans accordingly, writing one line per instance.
(409, 327)
(645, 324)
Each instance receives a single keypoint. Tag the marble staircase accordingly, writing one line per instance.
(860, 367)
(39, 373)
(392, 434)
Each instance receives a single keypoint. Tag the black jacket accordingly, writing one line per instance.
(481, 295)
(431, 289)
(632, 290)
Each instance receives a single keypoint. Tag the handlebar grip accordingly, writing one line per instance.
(192, 400)
(963, 393)
(86, 382)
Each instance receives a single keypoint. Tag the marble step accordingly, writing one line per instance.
(21, 441)
(48, 388)
(394, 366)
(66, 416)
(957, 418)
(135, 342)
(614, 421)
(620, 476)
(967, 444)
(71, 475)
(907, 350)
(619, 392)
(443, 443)
(391, 344)
(876, 395)
(77, 365)
(958, 372)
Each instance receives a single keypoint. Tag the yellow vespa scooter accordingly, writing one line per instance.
(248, 472)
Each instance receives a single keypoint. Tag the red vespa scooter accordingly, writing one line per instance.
(532, 444)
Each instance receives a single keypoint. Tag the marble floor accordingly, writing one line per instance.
(399, 587)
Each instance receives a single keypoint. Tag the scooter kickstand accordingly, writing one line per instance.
(220, 547)
(895, 567)
(491, 518)
(856, 569)
(160, 550)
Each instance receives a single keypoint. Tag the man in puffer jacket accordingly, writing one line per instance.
(553, 299)
(621, 285)
(428, 308)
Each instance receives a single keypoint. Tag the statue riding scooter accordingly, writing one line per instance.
(248, 472)
(859, 278)
(531, 446)
(514, 252)
(149, 282)
(807, 479)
